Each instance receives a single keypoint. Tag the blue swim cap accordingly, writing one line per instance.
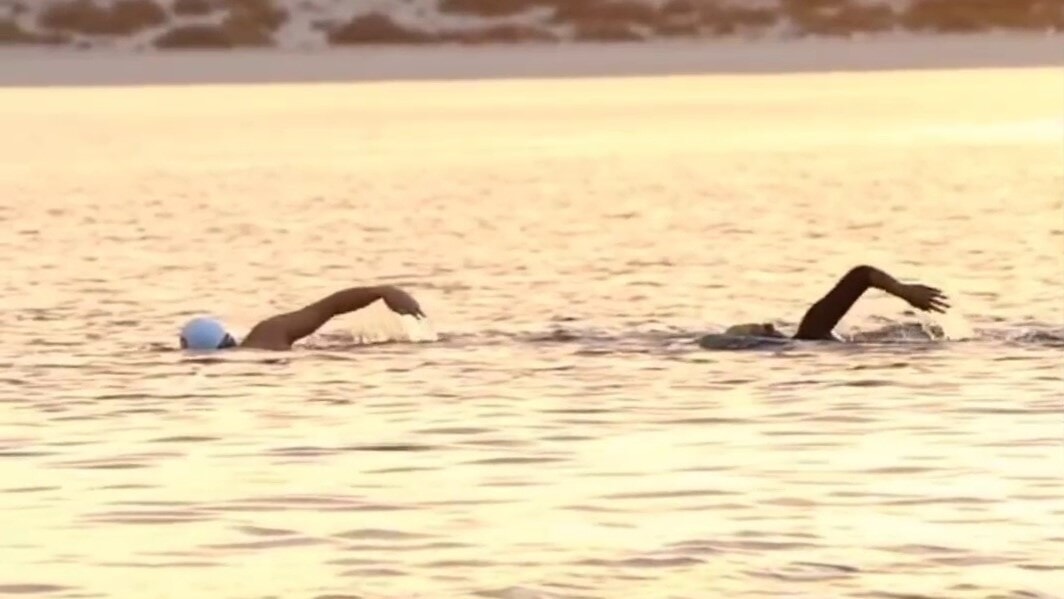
(205, 334)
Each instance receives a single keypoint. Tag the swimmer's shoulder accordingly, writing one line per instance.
(270, 334)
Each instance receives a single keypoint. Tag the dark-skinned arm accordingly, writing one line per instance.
(825, 314)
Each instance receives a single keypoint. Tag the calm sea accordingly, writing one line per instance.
(554, 431)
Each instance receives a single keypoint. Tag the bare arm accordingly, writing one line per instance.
(281, 331)
(825, 314)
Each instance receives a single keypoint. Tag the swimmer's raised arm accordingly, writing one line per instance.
(281, 331)
(825, 314)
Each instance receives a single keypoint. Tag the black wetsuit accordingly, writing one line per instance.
(820, 320)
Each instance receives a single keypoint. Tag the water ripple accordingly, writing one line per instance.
(571, 433)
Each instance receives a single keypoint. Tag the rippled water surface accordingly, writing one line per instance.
(564, 436)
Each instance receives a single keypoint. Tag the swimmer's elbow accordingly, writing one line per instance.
(865, 272)
(870, 276)
(879, 279)
(347, 300)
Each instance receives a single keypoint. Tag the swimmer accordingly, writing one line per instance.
(281, 331)
(820, 320)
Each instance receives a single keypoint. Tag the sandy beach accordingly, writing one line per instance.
(37, 67)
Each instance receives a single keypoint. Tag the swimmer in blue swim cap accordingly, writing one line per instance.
(205, 334)
(820, 320)
(281, 331)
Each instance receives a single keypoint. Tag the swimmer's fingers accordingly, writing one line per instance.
(414, 311)
(928, 299)
(402, 303)
(937, 307)
(938, 302)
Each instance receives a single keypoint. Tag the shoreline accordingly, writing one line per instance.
(61, 68)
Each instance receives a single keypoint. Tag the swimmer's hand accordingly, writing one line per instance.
(401, 302)
(923, 297)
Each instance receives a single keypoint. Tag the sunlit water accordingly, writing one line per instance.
(565, 436)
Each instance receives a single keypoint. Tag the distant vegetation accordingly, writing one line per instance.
(318, 23)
